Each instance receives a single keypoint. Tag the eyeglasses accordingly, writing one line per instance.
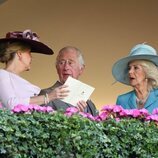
(64, 62)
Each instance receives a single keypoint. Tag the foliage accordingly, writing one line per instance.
(41, 133)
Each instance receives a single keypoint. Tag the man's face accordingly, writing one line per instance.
(68, 65)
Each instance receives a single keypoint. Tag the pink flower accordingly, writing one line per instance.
(16, 109)
(144, 112)
(24, 108)
(68, 114)
(20, 108)
(42, 109)
(117, 108)
(125, 112)
(87, 115)
(83, 114)
(102, 117)
(29, 108)
(49, 109)
(135, 113)
(72, 110)
(152, 118)
(1, 106)
(97, 118)
(36, 107)
(108, 108)
(131, 113)
(155, 111)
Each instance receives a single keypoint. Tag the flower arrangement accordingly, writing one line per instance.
(30, 108)
(35, 131)
(117, 112)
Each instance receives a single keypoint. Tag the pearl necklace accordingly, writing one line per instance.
(141, 102)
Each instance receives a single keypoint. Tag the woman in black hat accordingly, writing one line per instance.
(15, 52)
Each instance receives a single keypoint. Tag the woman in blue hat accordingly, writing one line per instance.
(139, 70)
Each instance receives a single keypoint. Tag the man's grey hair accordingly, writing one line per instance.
(78, 52)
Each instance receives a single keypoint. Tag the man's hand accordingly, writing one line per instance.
(81, 105)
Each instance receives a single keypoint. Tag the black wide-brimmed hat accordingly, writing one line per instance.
(30, 38)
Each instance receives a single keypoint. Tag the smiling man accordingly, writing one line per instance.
(70, 62)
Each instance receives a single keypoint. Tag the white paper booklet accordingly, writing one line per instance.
(78, 91)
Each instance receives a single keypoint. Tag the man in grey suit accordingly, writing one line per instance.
(69, 62)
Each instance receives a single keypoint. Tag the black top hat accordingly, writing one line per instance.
(30, 38)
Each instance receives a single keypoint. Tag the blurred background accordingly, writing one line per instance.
(104, 30)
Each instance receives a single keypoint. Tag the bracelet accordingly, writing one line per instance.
(46, 99)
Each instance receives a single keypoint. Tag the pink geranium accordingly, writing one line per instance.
(108, 108)
(20, 108)
(117, 112)
(49, 109)
(101, 117)
(1, 106)
(135, 113)
(71, 110)
(87, 115)
(144, 112)
(37, 108)
(110, 111)
(155, 111)
(117, 108)
(152, 118)
(125, 113)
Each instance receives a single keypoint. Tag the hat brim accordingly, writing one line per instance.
(36, 46)
(120, 68)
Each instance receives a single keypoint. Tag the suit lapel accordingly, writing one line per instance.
(132, 100)
(153, 96)
(57, 84)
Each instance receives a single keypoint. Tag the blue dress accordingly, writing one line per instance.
(128, 100)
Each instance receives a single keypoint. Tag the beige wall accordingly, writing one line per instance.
(105, 30)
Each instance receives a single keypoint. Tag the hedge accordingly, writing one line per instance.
(36, 132)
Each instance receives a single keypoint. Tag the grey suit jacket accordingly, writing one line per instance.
(62, 106)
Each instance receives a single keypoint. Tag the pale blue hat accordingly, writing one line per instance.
(140, 51)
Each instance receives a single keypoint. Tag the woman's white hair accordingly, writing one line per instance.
(151, 71)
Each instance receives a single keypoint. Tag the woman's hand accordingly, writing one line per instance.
(58, 93)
